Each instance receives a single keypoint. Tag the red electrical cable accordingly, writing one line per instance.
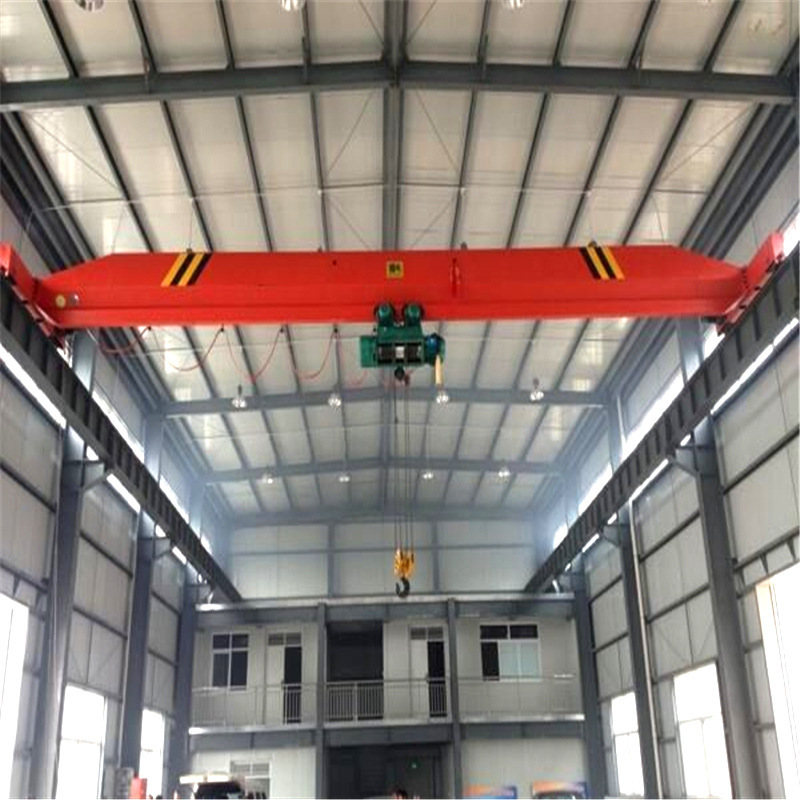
(312, 376)
(254, 376)
(200, 359)
(127, 349)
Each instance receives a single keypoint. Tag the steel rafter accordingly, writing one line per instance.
(774, 307)
(360, 464)
(417, 74)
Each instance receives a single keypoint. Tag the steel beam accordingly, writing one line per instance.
(422, 75)
(139, 622)
(455, 713)
(40, 358)
(734, 686)
(61, 594)
(360, 464)
(593, 732)
(773, 308)
(368, 394)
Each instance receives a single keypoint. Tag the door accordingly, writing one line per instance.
(437, 688)
(419, 678)
(292, 683)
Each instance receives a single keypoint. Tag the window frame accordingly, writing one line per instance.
(625, 735)
(229, 652)
(508, 643)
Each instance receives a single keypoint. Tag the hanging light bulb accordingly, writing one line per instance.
(293, 5)
(91, 5)
(344, 477)
(427, 475)
(268, 478)
(442, 398)
(240, 401)
(537, 395)
(334, 400)
(504, 473)
(513, 5)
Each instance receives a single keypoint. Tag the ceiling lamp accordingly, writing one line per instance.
(504, 473)
(344, 477)
(442, 398)
(427, 475)
(91, 5)
(334, 400)
(240, 401)
(293, 5)
(513, 5)
(537, 395)
(268, 478)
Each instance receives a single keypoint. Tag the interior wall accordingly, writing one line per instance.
(292, 769)
(518, 763)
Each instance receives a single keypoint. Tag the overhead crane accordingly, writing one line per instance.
(395, 290)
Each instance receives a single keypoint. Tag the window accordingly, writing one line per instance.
(229, 665)
(151, 758)
(83, 731)
(778, 601)
(13, 638)
(627, 756)
(700, 732)
(510, 652)
(256, 777)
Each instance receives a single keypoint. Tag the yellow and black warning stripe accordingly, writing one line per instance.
(602, 263)
(186, 269)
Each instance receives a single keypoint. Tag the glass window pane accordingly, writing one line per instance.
(220, 673)
(629, 764)
(719, 779)
(623, 714)
(694, 758)
(508, 653)
(697, 693)
(524, 631)
(84, 715)
(239, 640)
(529, 659)
(221, 641)
(239, 668)
(494, 632)
(78, 769)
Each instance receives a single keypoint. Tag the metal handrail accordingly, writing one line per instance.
(519, 698)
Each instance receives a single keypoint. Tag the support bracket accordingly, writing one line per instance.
(696, 460)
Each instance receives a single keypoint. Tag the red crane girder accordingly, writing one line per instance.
(193, 288)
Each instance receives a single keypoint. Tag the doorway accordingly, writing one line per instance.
(428, 672)
(13, 639)
(284, 695)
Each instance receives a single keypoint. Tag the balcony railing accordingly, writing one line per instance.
(261, 706)
(392, 701)
(519, 698)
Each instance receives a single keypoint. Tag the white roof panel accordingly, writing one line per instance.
(211, 140)
(490, 490)
(556, 427)
(350, 125)
(100, 44)
(364, 488)
(526, 35)
(269, 358)
(544, 218)
(71, 151)
(605, 216)
(290, 435)
(234, 222)
(486, 216)
(334, 493)
(480, 427)
(273, 496)
(174, 359)
(434, 130)
(432, 491)
(463, 486)
(551, 345)
(443, 427)
(464, 341)
(176, 48)
(505, 348)
(346, 31)
(363, 429)
(666, 217)
(761, 37)
(241, 497)
(303, 489)
(314, 349)
(446, 31)
(598, 347)
(518, 424)
(603, 34)
(354, 217)
(521, 493)
(426, 217)
(327, 433)
(28, 50)
(683, 33)
(110, 227)
(264, 35)
(295, 219)
(709, 136)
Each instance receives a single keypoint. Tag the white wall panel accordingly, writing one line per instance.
(470, 570)
(96, 656)
(602, 566)
(669, 502)
(159, 684)
(663, 367)
(759, 686)
(670, 648)
(298, 575)
(101, 587)
(608, 615)
(29, 442)
(163, 629)
(25, 526)
(702, 635)
(109, 522)
(168, 580)
(292, 772)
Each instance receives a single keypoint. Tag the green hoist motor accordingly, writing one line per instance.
(400, 343)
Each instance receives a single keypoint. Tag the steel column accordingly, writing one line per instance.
(139, 627)
(592, 726)
(640, 663)
(435, 553)
(319, 737)
(455, 713)
(734, 686)
(179, 735)
(60, 598)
